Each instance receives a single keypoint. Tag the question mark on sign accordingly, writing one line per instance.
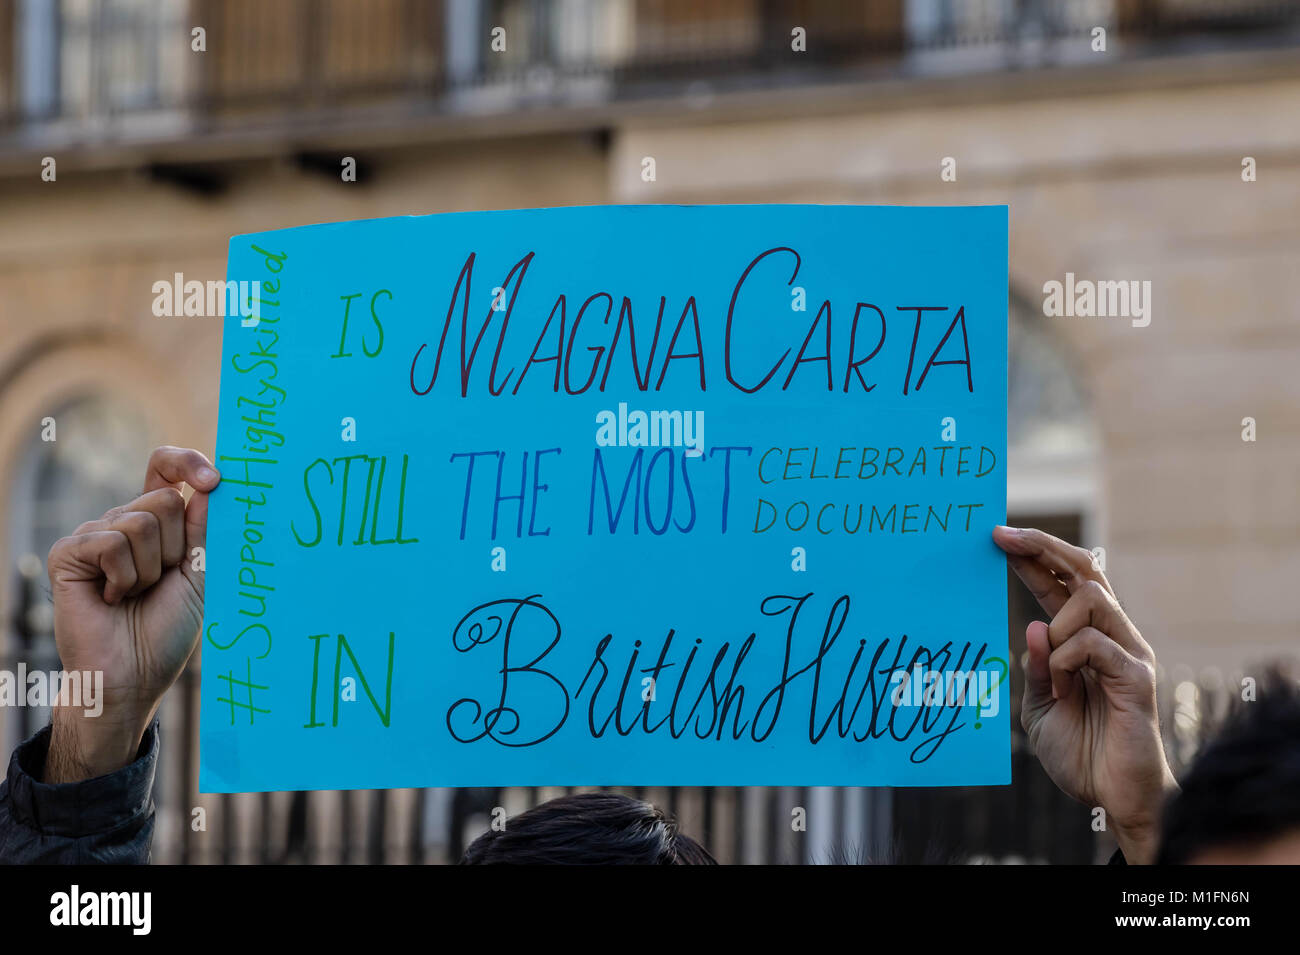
(993, 689)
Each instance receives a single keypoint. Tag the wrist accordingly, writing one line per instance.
(1139, 844)
(85, 747)
(1139, 837)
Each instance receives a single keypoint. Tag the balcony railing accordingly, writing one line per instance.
(81, 72)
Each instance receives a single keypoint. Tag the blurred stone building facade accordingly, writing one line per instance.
(1118, 164)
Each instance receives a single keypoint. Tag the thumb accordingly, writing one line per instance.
(196, 536)
(1038, 671)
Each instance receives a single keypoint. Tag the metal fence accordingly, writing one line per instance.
(1029, 821)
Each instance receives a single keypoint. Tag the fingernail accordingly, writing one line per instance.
(206, 474)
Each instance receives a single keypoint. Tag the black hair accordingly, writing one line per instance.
(598, 828)
(1244, 786)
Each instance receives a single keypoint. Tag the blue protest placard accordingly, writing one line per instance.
(612, 496)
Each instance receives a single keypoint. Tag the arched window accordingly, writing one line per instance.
(95, 461)
(1052, 442)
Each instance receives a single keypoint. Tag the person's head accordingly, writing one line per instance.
(601, 828)
(1240, 801)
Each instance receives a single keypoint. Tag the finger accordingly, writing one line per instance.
(1038, 675)
(170, 467)
(196, 537)
(84, 557)
(1094, 606)
(1090, 647)
(143, 535)
(1073, 566)
(168, 506)
(1041, 582)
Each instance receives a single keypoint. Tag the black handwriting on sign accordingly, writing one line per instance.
(681, 687)
(484, 624)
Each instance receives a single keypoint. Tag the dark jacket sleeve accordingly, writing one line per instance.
(108, 819)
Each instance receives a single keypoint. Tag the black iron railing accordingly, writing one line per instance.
(107, 69)
(1030, 820)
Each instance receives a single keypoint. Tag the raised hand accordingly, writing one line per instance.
(1089, 707)
(128, 603)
